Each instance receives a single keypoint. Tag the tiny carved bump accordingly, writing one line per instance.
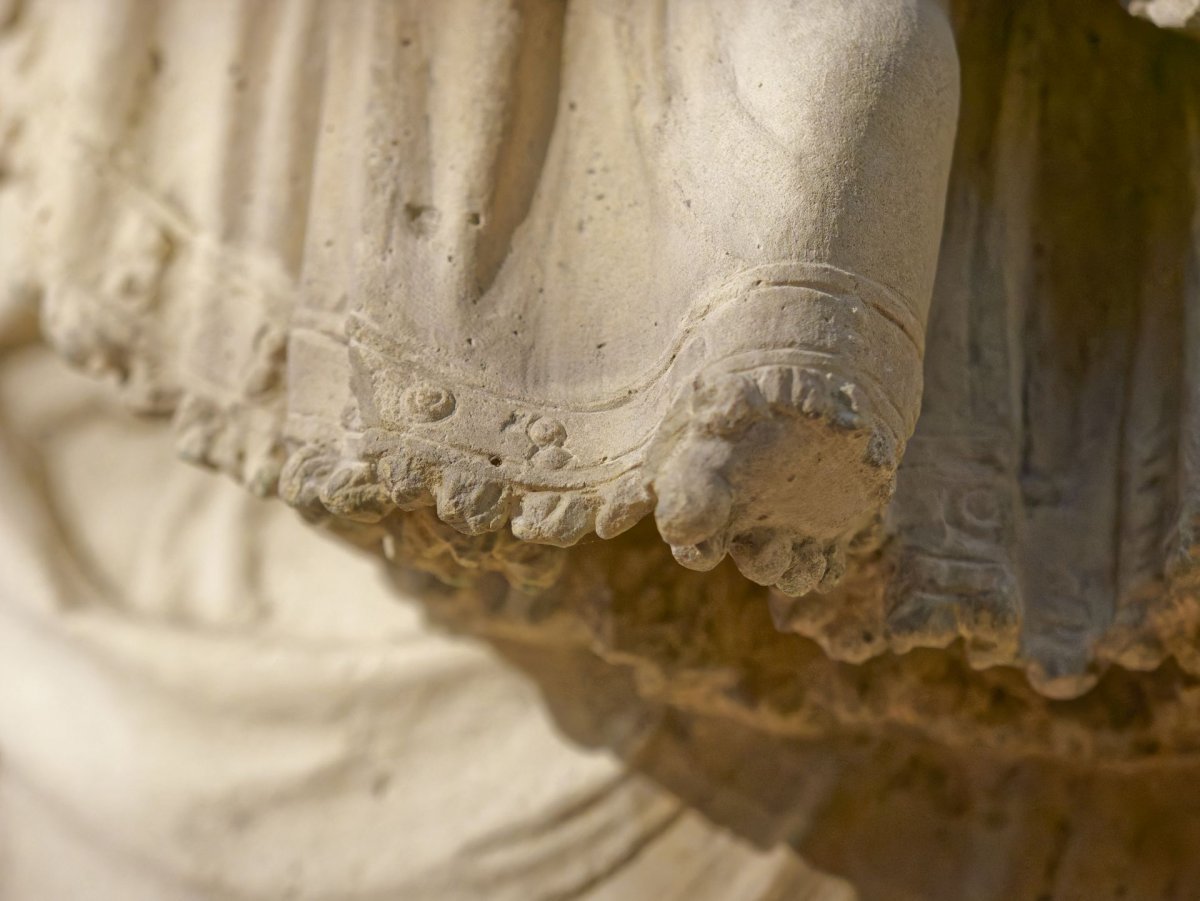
(141, 250)
(303, 474)
(71, 326)
(471, 504)
(547, 433)
(806, 570)
(816, 399)
(553, 457)
(703, 556)
(762, 555)
(693, 503)
(261, 472)
(1134, 640)
(848, 392)
(408, 479)
(551, 518)
(428, 403)
(1063, 673)
(352, 491)
(730, 406)
(266, 369)
(625, 503)
(776, 385)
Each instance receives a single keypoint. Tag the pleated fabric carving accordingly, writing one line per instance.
(471, 281)
(551, 264)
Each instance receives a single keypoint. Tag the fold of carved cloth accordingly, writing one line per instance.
(544, 266)
(298, 730)
(483, 278)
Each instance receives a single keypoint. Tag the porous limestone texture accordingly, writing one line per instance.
(552, 306)
(545, 267)
(475, 293)
(201, 699)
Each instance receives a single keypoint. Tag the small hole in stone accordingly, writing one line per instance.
(473, 219)
(495, 461)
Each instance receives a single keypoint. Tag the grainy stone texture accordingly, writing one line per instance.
(504, 293)
(543, 267)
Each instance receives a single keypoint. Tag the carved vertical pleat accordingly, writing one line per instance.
(104, 246)
(282, 159)
(262, 104)
(956, 508)
(474, 82)
(318, 381)
(1186, 544)
(1163, 619)
(1058, 439)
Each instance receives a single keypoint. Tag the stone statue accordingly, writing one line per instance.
(540, 309)
(574, 263)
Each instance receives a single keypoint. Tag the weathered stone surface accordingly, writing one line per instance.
(578, 264)
(554, 306)
(389, 338)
